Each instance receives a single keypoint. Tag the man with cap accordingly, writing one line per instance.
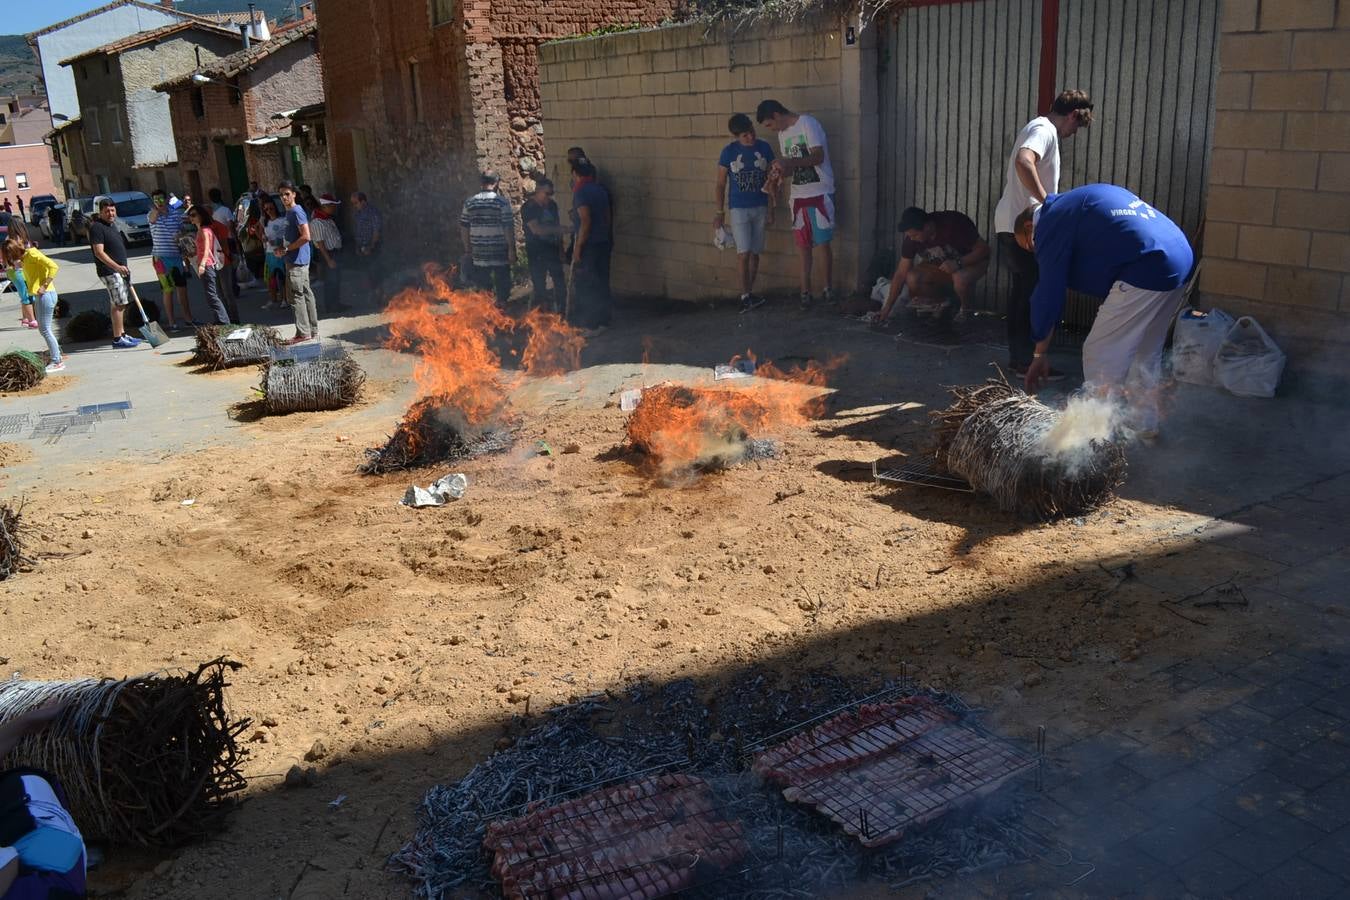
(323, 232)
(487, 227)
(1104, 241)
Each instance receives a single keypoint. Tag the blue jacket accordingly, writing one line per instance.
(1091, 237)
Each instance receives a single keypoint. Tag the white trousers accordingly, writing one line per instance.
(1130, 330)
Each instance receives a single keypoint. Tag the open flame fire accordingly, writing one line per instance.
(458, 337)
(687, 428)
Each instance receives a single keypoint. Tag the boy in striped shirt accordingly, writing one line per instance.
(166, 220)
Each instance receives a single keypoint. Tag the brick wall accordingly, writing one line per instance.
(200, 142)
(1277, 234)
(651, 109)
(477, 80)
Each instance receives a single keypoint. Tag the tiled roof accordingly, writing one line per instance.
(142, 38)
(242, 61)
(32, 36)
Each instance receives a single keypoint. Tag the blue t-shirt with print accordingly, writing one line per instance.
(295, 217)
(747, 169)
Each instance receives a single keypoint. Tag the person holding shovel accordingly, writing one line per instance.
(39, 273)
(110, 262)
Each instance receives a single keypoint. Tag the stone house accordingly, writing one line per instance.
(439, 90)
(95, 28)
(126, 123)
(225, 115)
(67, 142)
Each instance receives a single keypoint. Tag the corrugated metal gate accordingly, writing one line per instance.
(958, 79)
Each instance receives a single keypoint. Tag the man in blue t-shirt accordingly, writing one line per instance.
(1103, 240)
(744, 167)
(297, 252)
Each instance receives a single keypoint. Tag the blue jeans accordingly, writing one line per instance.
(46, 310)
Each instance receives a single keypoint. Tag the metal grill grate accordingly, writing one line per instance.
(643, 839)
(921, 473)
(13, 424)
(884, 768)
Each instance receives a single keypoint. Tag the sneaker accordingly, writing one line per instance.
(828, 296)
(56, 367)
(298, 339)
(960, 317)
(806, 299)
(125, 342)
(750, 301)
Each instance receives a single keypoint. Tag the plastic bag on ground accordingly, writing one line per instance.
(1249, 363)
(1195, 342)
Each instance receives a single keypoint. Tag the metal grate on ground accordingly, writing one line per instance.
(884, 768)
(14, 424)
(651, 837)
(920, 473)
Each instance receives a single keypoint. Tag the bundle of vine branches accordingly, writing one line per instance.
(433, 432)
(11, 544)
(20, 370)
(311, 385)
(214, 351)
(150, 760)
(993, 436)
(90, 325)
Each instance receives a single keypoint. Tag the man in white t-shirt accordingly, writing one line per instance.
(805, 160)
(1033, 174)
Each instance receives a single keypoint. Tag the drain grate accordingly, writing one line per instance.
(920, 473)
(13, 424)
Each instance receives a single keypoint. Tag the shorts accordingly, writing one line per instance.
(117, 289)
(747, 227)
(813, 220)
(170, 271)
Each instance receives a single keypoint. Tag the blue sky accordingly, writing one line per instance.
(21, 17)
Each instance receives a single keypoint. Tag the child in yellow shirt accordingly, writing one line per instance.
(39, 273)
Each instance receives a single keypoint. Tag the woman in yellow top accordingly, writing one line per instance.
(40, 274)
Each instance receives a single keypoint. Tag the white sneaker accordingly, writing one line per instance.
(56, 367)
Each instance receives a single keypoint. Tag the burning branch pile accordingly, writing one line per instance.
(214, 351)
(687, 429)
(463, 394)
(150, 760)
(1034, 461)
(20, 370)
(11, 545)
(312, 385)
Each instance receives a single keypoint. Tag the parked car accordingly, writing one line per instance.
(133, 209)
(80, 211)
(37, 208)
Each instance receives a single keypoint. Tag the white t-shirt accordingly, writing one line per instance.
(223, 215)
(1040, 137)
(796, 142)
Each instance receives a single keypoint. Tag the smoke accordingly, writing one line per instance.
(1086, 421)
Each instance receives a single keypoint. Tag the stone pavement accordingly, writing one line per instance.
(1238, 784)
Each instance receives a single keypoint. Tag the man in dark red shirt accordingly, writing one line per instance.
(942, 253)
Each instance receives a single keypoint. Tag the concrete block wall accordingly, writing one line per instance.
(1277, 234)
(650, 108)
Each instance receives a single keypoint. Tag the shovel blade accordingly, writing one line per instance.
(153, 334)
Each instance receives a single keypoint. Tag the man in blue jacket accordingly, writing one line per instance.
(1103, 240)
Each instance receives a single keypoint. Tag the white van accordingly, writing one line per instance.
(133, 208)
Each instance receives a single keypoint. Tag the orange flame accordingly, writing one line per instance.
(456, 333)
(686, 427)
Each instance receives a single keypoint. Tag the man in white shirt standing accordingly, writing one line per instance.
(806, 161)
(1033, 174)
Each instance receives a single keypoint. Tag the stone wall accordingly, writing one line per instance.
(1277, 235)
(651, 109)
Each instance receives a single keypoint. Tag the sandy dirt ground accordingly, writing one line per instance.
(394, 646)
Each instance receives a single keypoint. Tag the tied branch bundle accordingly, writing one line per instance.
(311, 386)
(994, 436)
(20, 370)
(150, 760)
(213, 351)
(11, 544)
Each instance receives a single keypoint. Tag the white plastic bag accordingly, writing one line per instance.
(881, 289)
(1195, 343)
(1249, 363)
(723, 239)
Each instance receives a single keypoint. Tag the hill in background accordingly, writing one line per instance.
(19, 70)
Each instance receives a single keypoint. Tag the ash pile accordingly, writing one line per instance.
(659, 792)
